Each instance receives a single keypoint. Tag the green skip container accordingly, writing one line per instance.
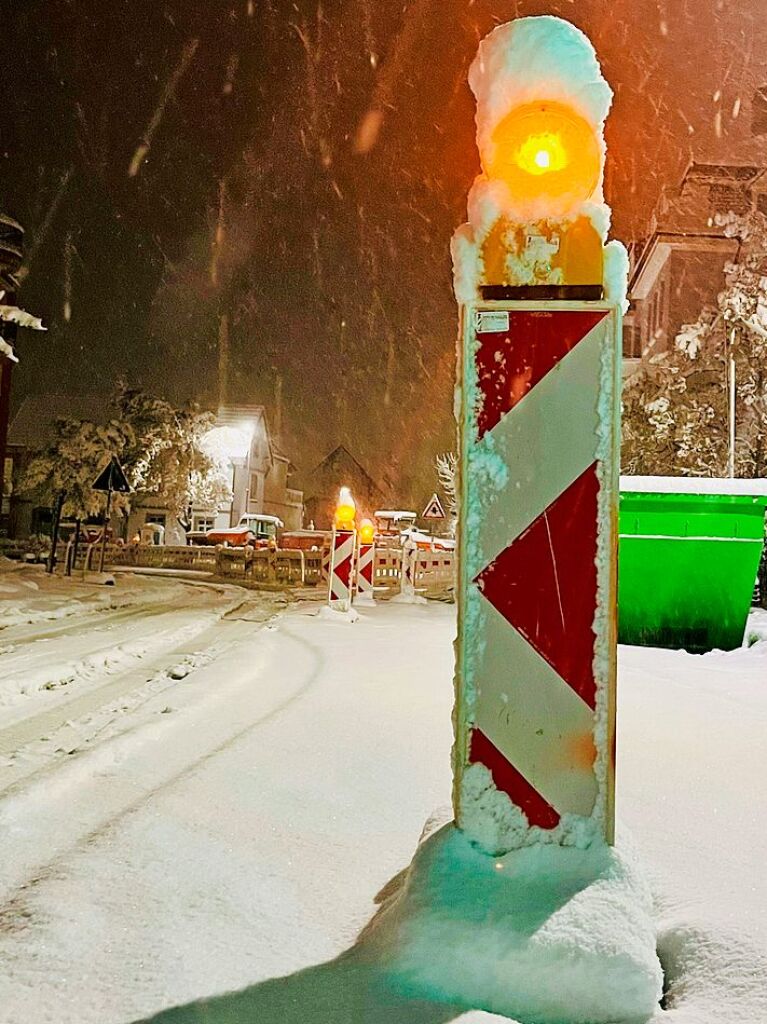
(689, 552)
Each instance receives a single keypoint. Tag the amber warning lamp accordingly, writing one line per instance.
(367, 532)
(550, 159)
(345, 510)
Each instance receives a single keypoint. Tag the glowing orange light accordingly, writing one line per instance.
(346, 510)
(547, 151)
(542, 154)
(367, 532)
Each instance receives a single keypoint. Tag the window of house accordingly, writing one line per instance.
(203, 523)
(155, 518)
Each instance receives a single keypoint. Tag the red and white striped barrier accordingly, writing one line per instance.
(408, 570)
(365, 573)
(341, 574)
(535, 673)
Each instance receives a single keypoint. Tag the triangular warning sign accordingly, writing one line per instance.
(434, 509)
(112, 478)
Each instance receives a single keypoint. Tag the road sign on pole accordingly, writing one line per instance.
(111, 478)
(434, 509)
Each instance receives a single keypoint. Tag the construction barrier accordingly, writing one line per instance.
(366, 572)
(535, 673)
(433, 571)
(341, 569)
(388, 563)
(408, 569)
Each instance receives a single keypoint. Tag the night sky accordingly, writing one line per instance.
(302, 169)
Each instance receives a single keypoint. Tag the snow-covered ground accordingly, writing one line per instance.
(28, 594)
(241, 824)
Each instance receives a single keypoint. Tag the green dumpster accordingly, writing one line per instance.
(688, 557)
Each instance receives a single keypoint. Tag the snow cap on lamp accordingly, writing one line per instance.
(534, 59)
(537, 213)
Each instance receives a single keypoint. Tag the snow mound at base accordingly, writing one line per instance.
(332, 615)
(546, 934)
(713, 976)
(408, 599)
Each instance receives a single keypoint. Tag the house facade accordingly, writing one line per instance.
(258, 473)
(679, 268)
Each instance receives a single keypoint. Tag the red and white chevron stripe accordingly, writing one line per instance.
(365, 569)
(535, 676)
(341, 574)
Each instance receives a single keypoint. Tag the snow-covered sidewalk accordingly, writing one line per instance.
(28, 594)
(244, 836)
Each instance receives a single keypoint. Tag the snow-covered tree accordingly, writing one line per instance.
(447, 469)
(158, 446)
(675, 407)
(71, 462)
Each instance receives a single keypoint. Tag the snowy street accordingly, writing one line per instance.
(235, 826)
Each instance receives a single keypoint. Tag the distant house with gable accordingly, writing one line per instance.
(321, 486)
(260, 472)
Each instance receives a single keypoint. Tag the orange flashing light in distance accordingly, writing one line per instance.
(367, 532)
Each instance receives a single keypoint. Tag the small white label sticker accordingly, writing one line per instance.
(489, 321)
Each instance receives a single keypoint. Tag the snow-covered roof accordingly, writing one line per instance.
(7, 350)
(394, 514)
(692, 485)
(259, 517)
(20, 317)
(33, 425)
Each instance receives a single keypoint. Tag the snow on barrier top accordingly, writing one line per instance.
(692, 485)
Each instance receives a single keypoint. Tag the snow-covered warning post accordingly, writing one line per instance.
(541, 293)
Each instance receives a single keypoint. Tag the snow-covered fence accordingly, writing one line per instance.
(290, 567)
(315, 571)
(163, 556)
(434, 571)
(15, 549)
(388, 564)
(280, 566)
(233, 562)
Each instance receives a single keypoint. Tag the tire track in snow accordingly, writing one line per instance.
(65, 813)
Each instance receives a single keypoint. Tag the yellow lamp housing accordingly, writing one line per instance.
(367, 532)
(346, 510)
(547, 154)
